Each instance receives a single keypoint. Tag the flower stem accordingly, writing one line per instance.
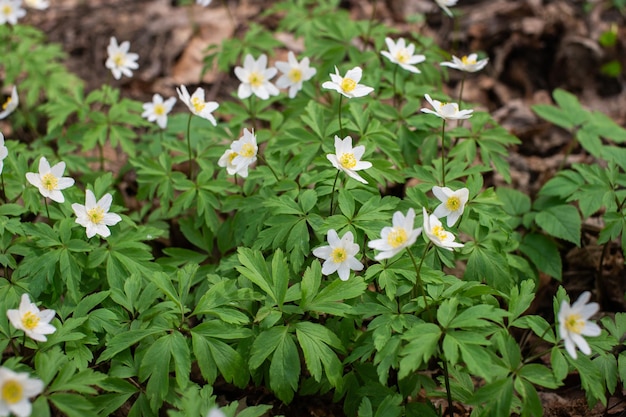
(340, 124)
(45, 200)
(446, 378)
(418, 278)
(189, 146)
(252, 111)
(4, 195)
(443, 153)
(369, 25)
(332, 194)
(269, 166)
(230, 14)
(101, 152)
(395, 93)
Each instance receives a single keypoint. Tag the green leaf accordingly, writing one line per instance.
(423, 342)
(543, 252)
(72, 405)
(538, 375)
(562, 221)
(315, 341)
(125, 340)
(285, 368)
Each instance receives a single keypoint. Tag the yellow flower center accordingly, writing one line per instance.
(49, 182)
(118, 58)
(232, 156)
(396, 237)
(295, 75)
(453, 203)
(7, 10)
(95, 215)
(440, 232)
(6, 104)
(30, 320)
(347, 160)
(255, 79)
(402, 56)
(12, 392)
(159, 109)
(348, 84)
(466, 61)
(339, 255)
(247, 150)
(574, 323)
(197, 104)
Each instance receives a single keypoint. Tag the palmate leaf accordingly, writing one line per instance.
(316, 342)
(256, 270)
(562, 221)
(215, 358)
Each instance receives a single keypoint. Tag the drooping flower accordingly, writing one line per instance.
(339, 255)
(574, 324)
(11, 104)
(35, 323)
(15, 390)
(255, 78)
(437, 234)
(402, 54)
(94, 216)
(241, 155)
(348, 159)
(452, 203)
(203, 3)
(4, 152)
(397, 237)
(157, 110)
(50, 180)
(11, 11)
(444, 4)
(120, 61)
(447, 111)
(467, 63)
(197, 105)
(294, 73)
(349, 85)
(37, 4)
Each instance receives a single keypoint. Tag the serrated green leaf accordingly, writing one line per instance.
(543, 252)
(562, 221)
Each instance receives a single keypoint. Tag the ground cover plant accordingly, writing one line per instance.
(325, 230)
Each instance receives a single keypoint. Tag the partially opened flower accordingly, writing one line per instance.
(37, 4)
(255, 78)
(339, 255)
(4, 152)
(447, 111)
(397, 237)
(203, 3)
(35, 323)
(437, 234)
(452, 203)
(157, 110)
(94, 216)
(50, 180)
(402, 54)
(120, 61)
(242, 153)
(197, 105)
(348, 159)
(574, 324)
(444, 4)
(11, 104)
(11, 11)
(15, 390)
(349, 85)
(294, 73)
(467, 63)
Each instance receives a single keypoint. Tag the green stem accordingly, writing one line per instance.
(369, 25)
(446, 378)
(443, 153)
(252, 111)
(45, 200)
(101, 152)
(332, 194)
(4, 196)
(189, 146)
(339, 112)
(269, 166)
(230, 14)
(395, 94)
(418, 278)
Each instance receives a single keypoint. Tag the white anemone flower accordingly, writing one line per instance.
(397, 237)
(35, 323)
(349, 85)
(437, 234)
(15, 390)
(447, 111)
(467, 63)
(50, 180)
(157, 110)
(444, 4)
(197, 105)
(94, 216)
(452, 203)
(242, 154)
(11, 11)
(339, 255)
(37, 4)
(203, 3)
(119, 60)
(574, 324)
(255, 78)
(348, 159)
(4, 152)
(10, 104)
(403, 55)
(294, 73)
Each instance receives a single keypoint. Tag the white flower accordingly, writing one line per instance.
(444, 5)
(574, 324)
(349, 85)
(402, 54)
(94, 216)
(467, 63)
(339, 255)
(294, 73)
(255, 78)
(37, 4)
(11, 11)
(241, 155)
(197, 105)
(4, 152)
(50, 181)
(348, 159)
(35, 323)
(447, 111)
(158, 109)
(11, 104)
(437, 234)
(15, 390)
(397, 237)
(120, 61)
(203, 3)
(452, 203)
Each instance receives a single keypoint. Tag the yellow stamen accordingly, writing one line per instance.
(7, 10)
(118, 58)
(49, 182)
(453, 203)
(232, 156)
(440, 232)
(197, 104)
(6, 104)
(12, 392)
(402, 56)
(396, 237)
(347, 160)
(466, 61)
(295, 75)
(348, 84)
(30, 320)
(339, 255)
(574, 323)
(247, 150)
(95, 215)
(159, 109)
(255, 79)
